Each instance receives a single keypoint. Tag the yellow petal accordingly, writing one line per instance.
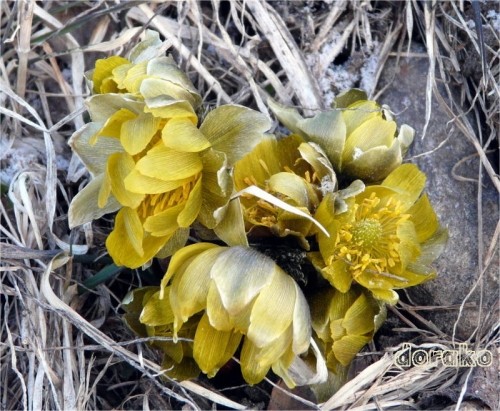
(328, 130)
(134, 301)
(359, 112)
(269, 157)
(346, 349)
(320, 316)
(136, 134)
(133, 228)
(339, 275)
(103, 106)
(168, 164)
(180, 257)
(318, 160)
(157, 312)
(348, 97)
(165, 68)
(217, 187)
(301, 323)
(104, 190)
(292, 186)
(182, 135)
(359, 318)
(249, 271)
(253, 371)
(231, 229)
(84, 206)
(388, 296)
(409, 247)
(408, 180)
(134, 77)
(164, 223)
(103, 69)
(112, 127)
(372, 133)
(375, 164)
(152, 88)
(123, 252)
(217, 314)
(424, 219)
(213, 348)
(192, 206)
(234, 130)
(166, 107)
(119, 167)
(188, 294)
(272, 312)
(271, 353)
(185, 370)
(136, 182)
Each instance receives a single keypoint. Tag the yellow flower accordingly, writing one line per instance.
(359, 137)
(147, 74)
(163, 172)
(241, 296)
(386, 240)
(293, 171)
(345, 323)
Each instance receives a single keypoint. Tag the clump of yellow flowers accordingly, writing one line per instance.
(334, 191)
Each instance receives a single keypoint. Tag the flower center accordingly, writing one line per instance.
(367, 232)
(369, 242)
(259, 211)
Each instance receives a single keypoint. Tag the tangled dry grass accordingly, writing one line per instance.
(62, 348)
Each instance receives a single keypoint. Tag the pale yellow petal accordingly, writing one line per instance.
(103, 106)
(424, 219)
(189, 291)
(234, 130)
(231, 229)
(301, 323)
(372, 133)
(181, 256)
(119, 167)
(103, 69)
(249, 271)
(273, 310)
(84, 206)
(93, 156)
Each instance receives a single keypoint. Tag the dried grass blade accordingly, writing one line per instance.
(288, 54)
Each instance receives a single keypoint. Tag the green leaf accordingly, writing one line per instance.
(108, 272)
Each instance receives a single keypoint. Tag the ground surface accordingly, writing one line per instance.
(430, 62)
